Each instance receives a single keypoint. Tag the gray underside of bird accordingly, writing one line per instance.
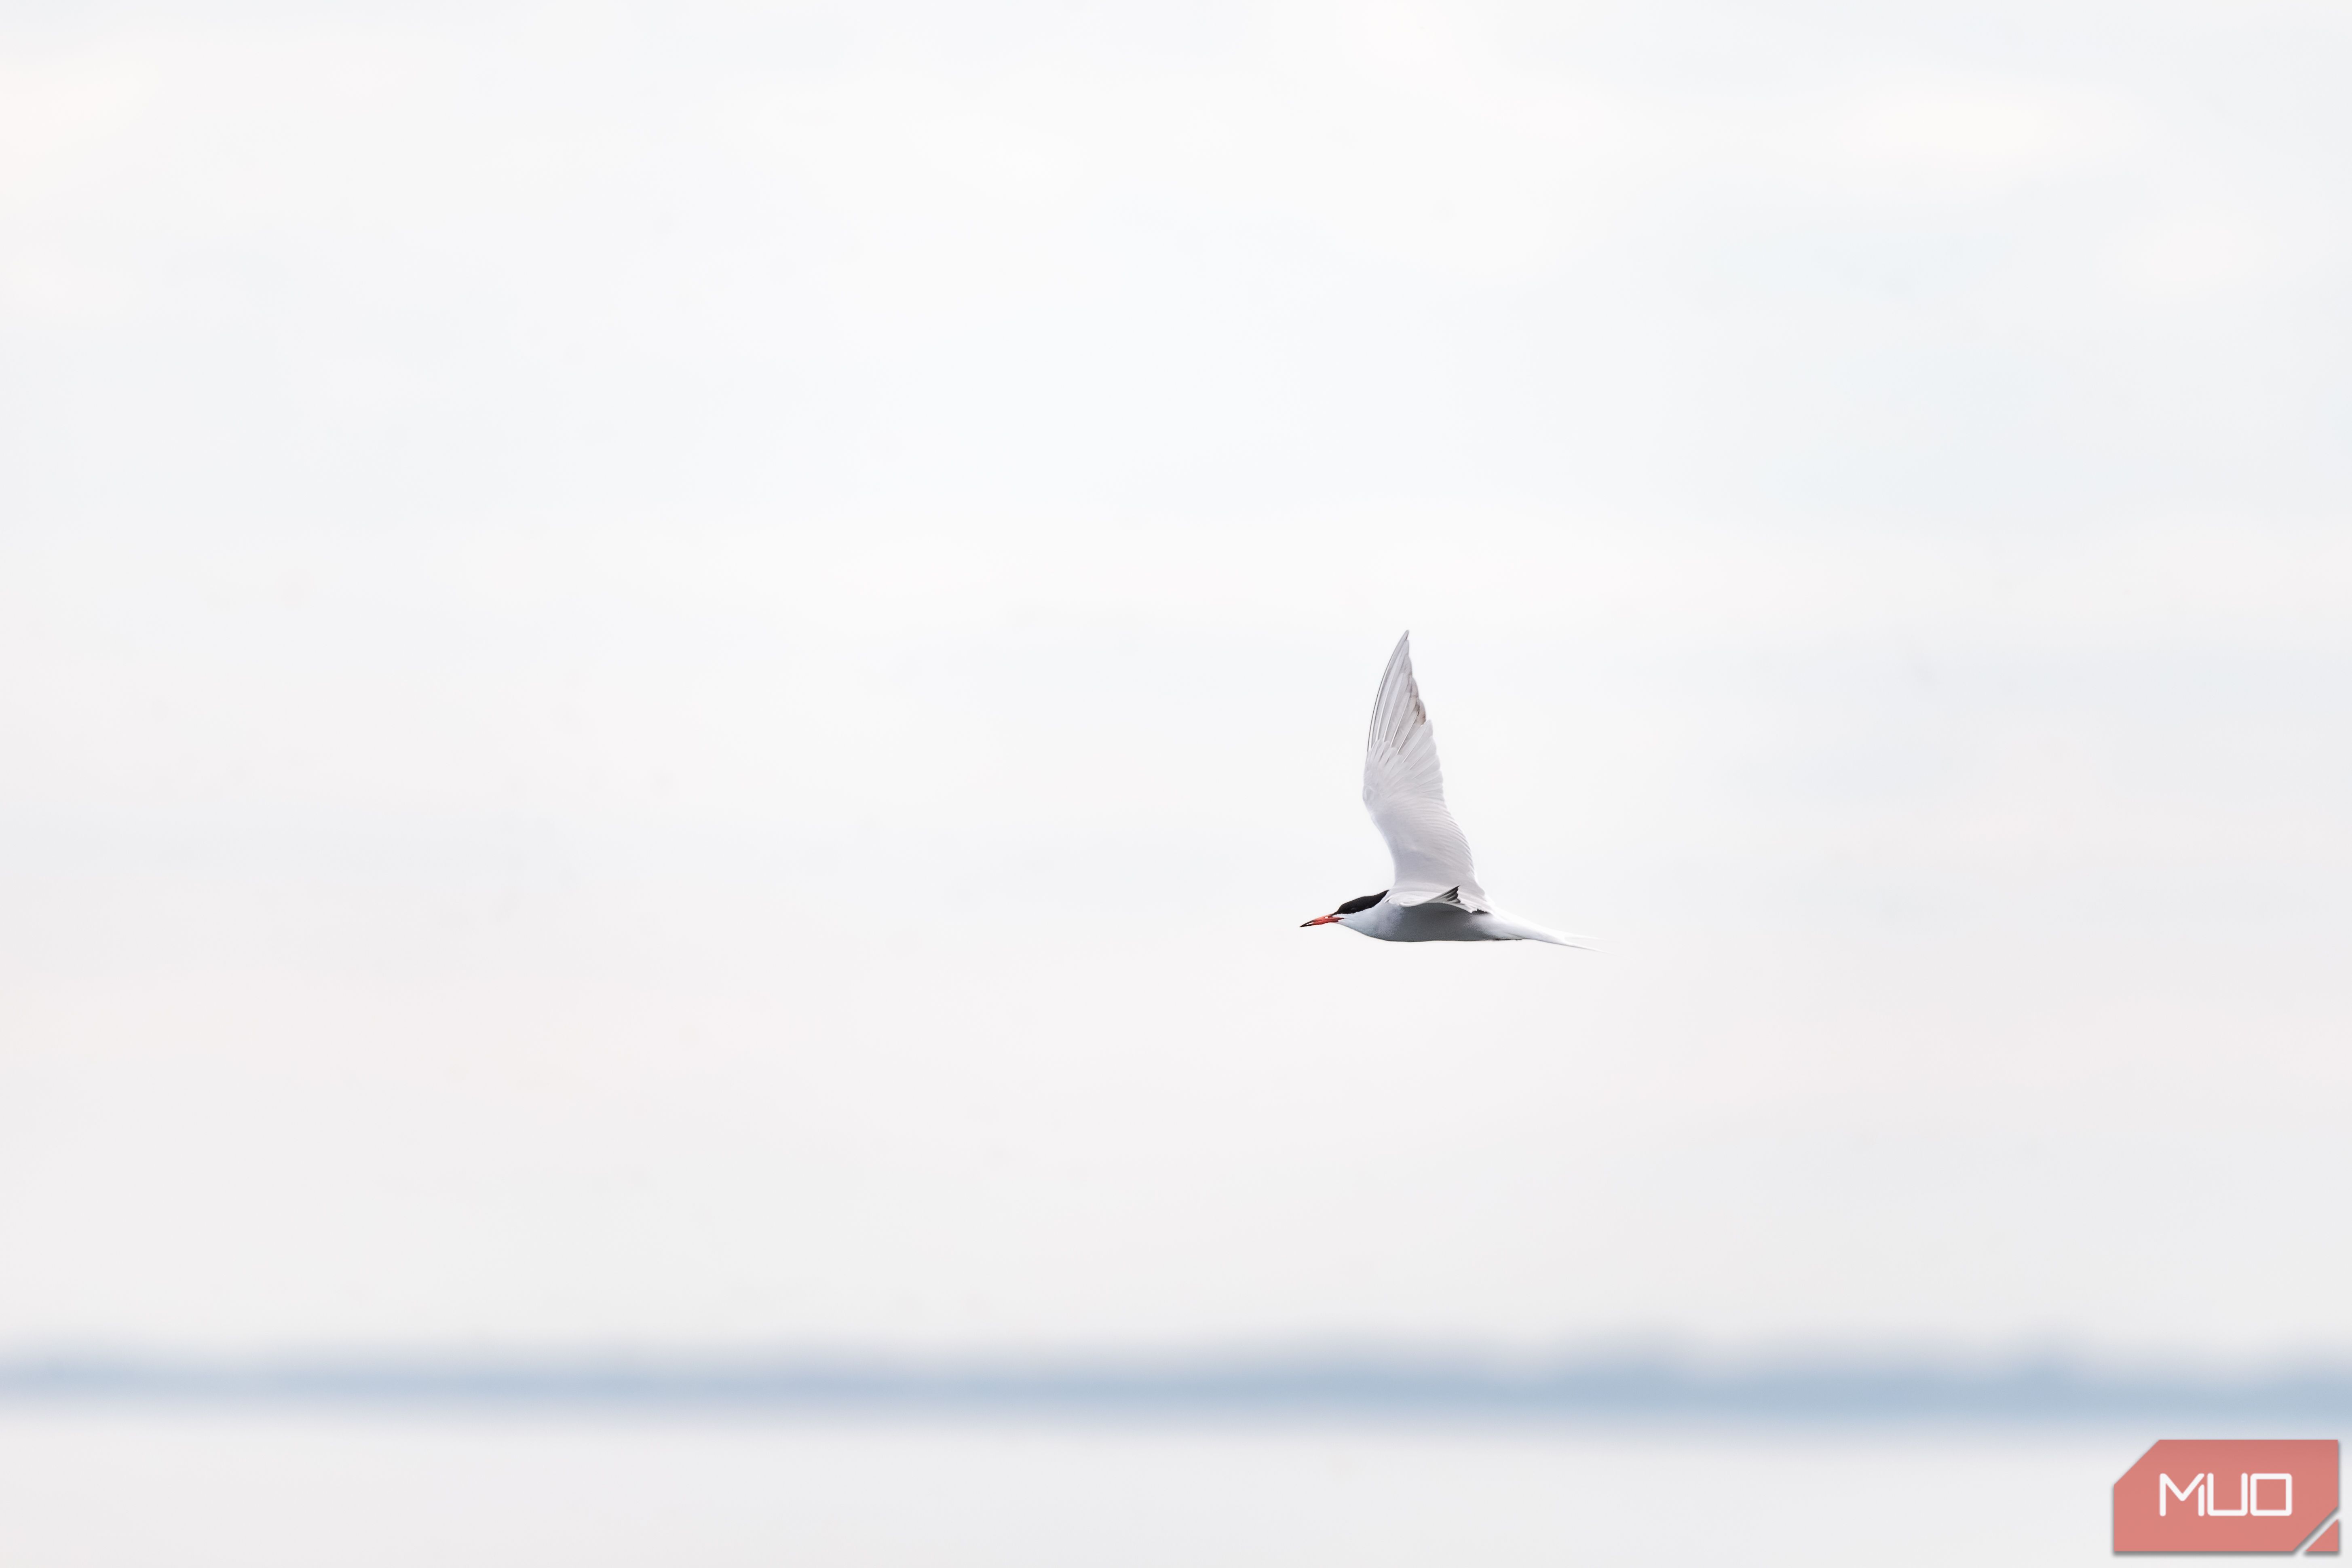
(1441, 922)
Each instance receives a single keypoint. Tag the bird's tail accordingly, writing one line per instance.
(1518, 930)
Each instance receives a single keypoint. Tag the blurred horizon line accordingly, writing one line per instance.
(1394, 1385)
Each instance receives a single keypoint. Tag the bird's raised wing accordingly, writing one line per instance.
(1406, 795)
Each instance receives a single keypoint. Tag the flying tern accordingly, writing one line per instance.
(1434, 895)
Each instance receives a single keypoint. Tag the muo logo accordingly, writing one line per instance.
(2229, 1495)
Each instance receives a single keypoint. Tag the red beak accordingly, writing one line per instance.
(1320, 920)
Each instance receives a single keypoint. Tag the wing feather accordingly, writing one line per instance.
(1405, 793)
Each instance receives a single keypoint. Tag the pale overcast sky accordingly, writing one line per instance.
(675, 676)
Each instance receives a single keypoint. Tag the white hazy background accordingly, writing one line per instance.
(673, 677)
(677, 677)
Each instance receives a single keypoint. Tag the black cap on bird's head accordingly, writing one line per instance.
(1352, 907)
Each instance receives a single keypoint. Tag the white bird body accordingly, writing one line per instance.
(1434, 895)
(1392, 922)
